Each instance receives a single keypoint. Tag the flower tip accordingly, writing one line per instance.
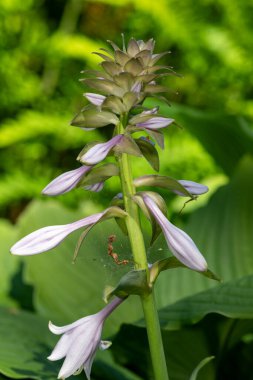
(14, 250)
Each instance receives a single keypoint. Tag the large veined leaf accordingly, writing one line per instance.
(226, 138)
(183, 351)
(233, 299)
(24, 346)
(26, 343)
(210, 323)
(223, 232)
(9, 265)
(65, 291)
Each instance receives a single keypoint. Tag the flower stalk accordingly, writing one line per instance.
(140, 259)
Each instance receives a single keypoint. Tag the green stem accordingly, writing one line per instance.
(140, 259)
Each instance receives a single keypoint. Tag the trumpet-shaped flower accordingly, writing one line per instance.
(49, 237)
(80, 341)
(99, 151)
(66, 181)
(180, 244)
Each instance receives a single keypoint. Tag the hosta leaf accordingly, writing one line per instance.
(203, 362)
(24, 346)
(233, 299)
(222, 230)
(9, 265)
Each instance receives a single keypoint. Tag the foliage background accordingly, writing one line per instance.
(44, 45)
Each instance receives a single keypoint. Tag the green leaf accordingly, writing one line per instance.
(183, 351)
(149, 152)
(233, 299)
(200, 366)
(9, 264)
(64, 291)
(24, 346)
(134, 282)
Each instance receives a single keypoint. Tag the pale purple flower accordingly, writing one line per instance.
(155, 122)
(49, 237)
(96, 187)
(95, 99)
(180, 244)
(99, 151)
(151, 111)
(193, 187)
(66, 181)
(80, 341)
(136, 87)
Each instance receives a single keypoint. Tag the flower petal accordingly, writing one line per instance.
(99, 151)
(96, 187)
(180, 244)
(193, 187)
(49, 237)
(156, 123)
(66, 181)
(95, 99)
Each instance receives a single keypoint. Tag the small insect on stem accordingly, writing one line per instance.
(114, 255)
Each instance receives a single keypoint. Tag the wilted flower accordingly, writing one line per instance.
(49, 237)
(66, 181)
(80, 341)
(180, 244)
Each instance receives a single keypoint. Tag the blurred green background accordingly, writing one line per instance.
(44, 45)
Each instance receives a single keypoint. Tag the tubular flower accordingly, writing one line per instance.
(99, 151)
(66, 181)
(49, 237)
(80, 341)
(180, 244)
